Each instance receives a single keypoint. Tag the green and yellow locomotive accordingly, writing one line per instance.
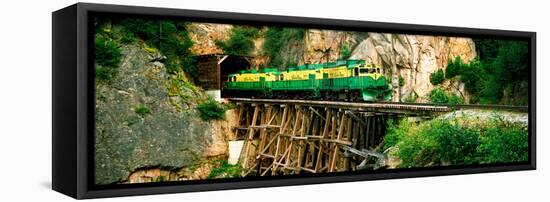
(341, 80)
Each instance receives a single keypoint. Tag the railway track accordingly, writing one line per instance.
(385, 106)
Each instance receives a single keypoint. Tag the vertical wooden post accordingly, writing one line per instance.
(336, 148)
(322, 142)
(250, 137)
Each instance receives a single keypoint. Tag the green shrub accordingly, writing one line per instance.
(171, 38)
(107, 52)
(455, 144)
(504, 143)
(240, 41)
(453, 68)
(397, 130)
(275, 39)
(142, 110)
(472, 75)
(442, 142)
(211, 109)
(345, 52)
(127, 37)
(103, 73)
(148, 30)
(455, 100)
(437, 77)
(411, 97)
(401, 81)
(438, 95)
(433, 143)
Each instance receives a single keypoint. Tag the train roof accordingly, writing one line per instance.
(338, 63)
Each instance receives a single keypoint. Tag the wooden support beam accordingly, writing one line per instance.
(352, 115)
(317, 113)
(250, 136)
(332, 166)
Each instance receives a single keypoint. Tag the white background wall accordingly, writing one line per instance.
(25, 100)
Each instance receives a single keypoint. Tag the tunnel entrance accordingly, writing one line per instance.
(213, 71)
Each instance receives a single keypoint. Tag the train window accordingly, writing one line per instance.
(281, 77)
(363, 70)
(356, 71)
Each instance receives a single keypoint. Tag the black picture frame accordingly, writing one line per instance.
(73, 103)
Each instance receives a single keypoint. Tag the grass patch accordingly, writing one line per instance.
(225, 170)
(142, 110)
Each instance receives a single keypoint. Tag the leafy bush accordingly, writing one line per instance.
(411, 97)
(453, 68)
(345, 52)
(455, 100)
(169, 37)
(107, 57)
(437, 77)
(148, 30)
(472, 76)
(107, 52)
(104, 73)
(438, 95)
(211, 109)
(240, 41)
(441, 142)
(275, 39)
(504, 143)
(401, 81)
(127, 37)
(501, 65)
(455, 144)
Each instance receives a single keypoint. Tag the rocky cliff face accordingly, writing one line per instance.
(204, 36)
(145, 119)
(411, 57)
(414, 58)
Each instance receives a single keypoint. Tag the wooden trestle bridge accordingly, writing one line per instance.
(304, 136)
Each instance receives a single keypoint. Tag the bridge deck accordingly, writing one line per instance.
(395, 107)
(360, 106)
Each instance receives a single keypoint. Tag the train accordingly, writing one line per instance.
(347, 80)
